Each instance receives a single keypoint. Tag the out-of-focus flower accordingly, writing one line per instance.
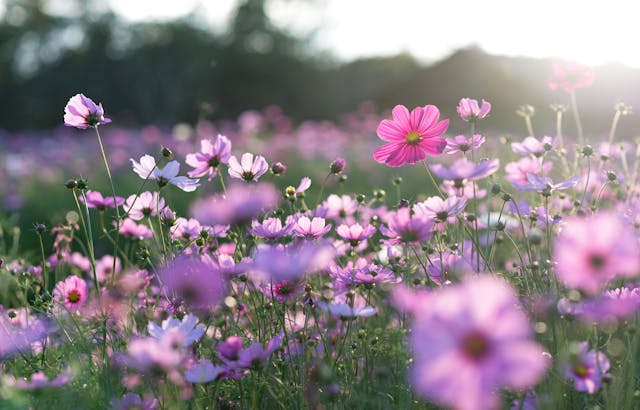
(460, 143)
(132, 401)
(277, 263)
(210, 156)
(104, 267)
(129, 227)
(241, 203)
(197, 283)
(586, 368)
(570, 76)
(95, 200)
(189, 326)
(339, 207)
(72, 293)
(17, 335)
(534, 146)
(249, 168)
(517, 171)
(338, 165)
(147, 169)
(468, 341)
(146, 204)
(40, 380)
(540, 184)
(469, 109)
(442, 210)
(254, 356)
(81, 112)
(411, 136)
(462, 168)
(611, 306)
(590, 252)
(203, 372)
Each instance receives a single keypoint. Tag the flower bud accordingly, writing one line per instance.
(338, 165)
(71, 183)
(166, 152)
(278, 168)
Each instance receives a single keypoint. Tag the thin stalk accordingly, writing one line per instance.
(576, 116)
(614, 126)
(433, 181)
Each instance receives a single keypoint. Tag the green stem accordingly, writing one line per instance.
(433, 181)
(576, 116)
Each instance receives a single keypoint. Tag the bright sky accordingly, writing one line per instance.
(592, 32)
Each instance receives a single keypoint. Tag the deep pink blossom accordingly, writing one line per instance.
(411, 136)
(95, 200)
(71, 293)
(82, 112)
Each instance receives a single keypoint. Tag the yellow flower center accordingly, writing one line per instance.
(581, 370)
(413, 138)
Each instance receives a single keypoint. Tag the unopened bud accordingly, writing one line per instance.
(166, 152)
(338, 165)
(278, 168)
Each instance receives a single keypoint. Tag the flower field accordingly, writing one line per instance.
(379, 262)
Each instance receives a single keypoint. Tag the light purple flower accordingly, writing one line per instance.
(517, 171)
(40, 380)
(189, 326)
(241, 203)
(132, 401)
(203, 372)
(210, 156)
(147, 169)
(355, 233)
(278, 263)
(442, 210)
(460, 143)
(81, 112)
(248, 168)
(462, 168)
(540, 184)
(129, 227)
(469, 340)
(345, 310)
(469, 109)
(402, 227)
(270, 228)
(534, 146)
(586, 368)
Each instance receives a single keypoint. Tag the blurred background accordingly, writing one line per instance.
(298, 81)
(163, 61)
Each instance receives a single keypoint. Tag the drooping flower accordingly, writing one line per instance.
(469, 109)
(570, 76)
(590, 252)
(411, 136)
(210, 156)
(81, 112)
(71, 293)
(249, 168)
(469, 340)
(586, 368)
(148, 169)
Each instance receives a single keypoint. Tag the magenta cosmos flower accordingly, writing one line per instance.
(469, 109)
(570, 76)
(81, 112)
(469, 340)
(210, 156)
(72, 293)
(411, 136)
(590, 252)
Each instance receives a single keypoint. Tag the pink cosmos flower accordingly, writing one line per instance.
(278, 263)
(587, 368)
(148, 169)
(210, 156)
(469, 109)
(311, 228)
(133, 401)
(40, 380)
(469, 340)
(411, 136)
(146, 204)
(570, 76)
(517, 171)
(104, 267)
(442, 210)
(203, 372)
(339, 207)
(72, 293)
(460, 143)
(355, 233)
(248, 168)
(534, 146)
(270, 228)
(402, 227)
(95, 200)
(129, 227)
(81, 112)
(590, 252)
